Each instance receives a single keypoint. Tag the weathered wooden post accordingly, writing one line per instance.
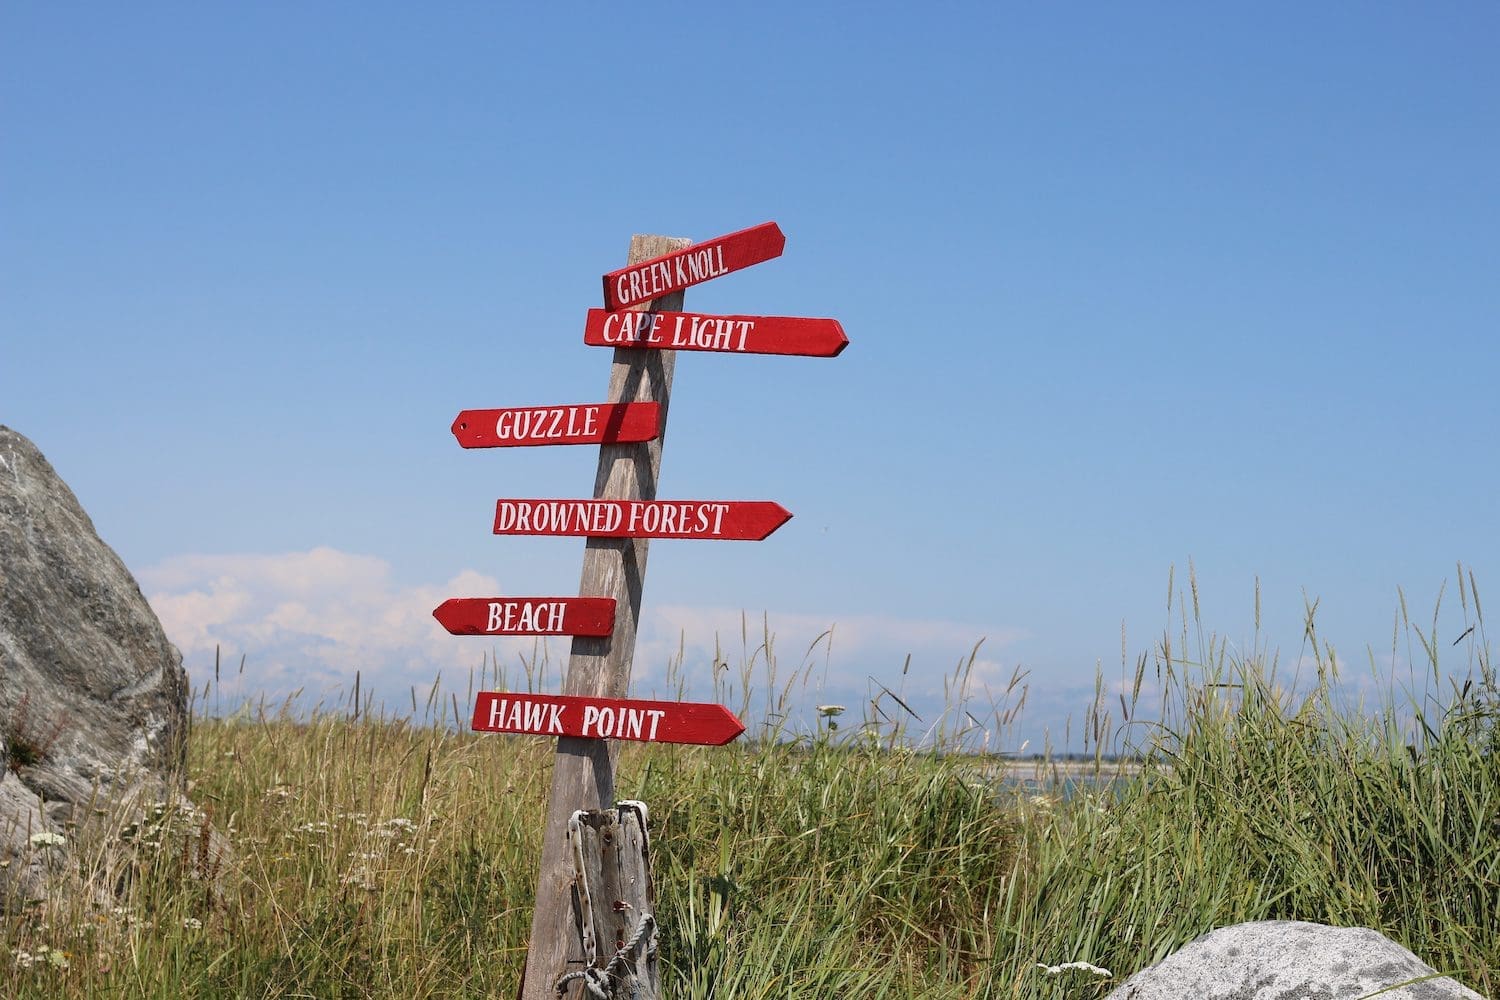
(583, 776)
(593, 930)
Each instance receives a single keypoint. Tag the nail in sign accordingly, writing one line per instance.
(691, 266)
(594, 616)
(589, 423)
(744, 520)
(605, 718)
(673, 331)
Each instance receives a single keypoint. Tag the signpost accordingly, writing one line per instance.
(606, 718)
(583, 774)
(743, 520)
(590, 423)
(527, 615)
(810, 338)
(613, 905)
(672, 272)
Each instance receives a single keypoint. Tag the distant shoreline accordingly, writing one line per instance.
(1045, 770)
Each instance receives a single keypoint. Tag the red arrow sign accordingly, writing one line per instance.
(813, 338)
(698, 263)
(527, 615)
(750, 520)
(605, 718)
(589, 423)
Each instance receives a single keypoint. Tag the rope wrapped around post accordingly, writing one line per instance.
(595, 980)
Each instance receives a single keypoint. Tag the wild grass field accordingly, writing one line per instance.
(375, 856)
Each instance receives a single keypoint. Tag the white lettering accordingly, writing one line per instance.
(601, 518)
(494, 622)
(554, 718)
(656, 714)
(590, 718)
(497, 713)
(649, 323)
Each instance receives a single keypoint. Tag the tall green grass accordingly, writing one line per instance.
(375, 856)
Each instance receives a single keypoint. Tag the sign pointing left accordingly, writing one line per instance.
(588, 423)
(594, 616)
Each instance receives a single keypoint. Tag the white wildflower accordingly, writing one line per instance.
(361, 878)
(192, 923)
(48, 839)
(1055, 970)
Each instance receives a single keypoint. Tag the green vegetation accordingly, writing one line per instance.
(379, 858)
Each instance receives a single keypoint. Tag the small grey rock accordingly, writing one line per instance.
(1290, 960)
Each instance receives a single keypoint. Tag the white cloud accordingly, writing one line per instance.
(311, 619)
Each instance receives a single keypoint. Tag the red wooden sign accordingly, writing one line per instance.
(746, 520)
(527, 615)
(812, 338)
(698, 263)
(589, 423)
(605, 718)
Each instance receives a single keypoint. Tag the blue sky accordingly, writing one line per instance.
(1126, 286)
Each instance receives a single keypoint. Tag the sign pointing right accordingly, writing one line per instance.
(743, 520)
(672, 272)
(675, 331)
(605, 718)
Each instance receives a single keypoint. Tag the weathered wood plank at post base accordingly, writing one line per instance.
(583, 773)
(614, 900)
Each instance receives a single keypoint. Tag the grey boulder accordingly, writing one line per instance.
(93, 698)
(1291, 960)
